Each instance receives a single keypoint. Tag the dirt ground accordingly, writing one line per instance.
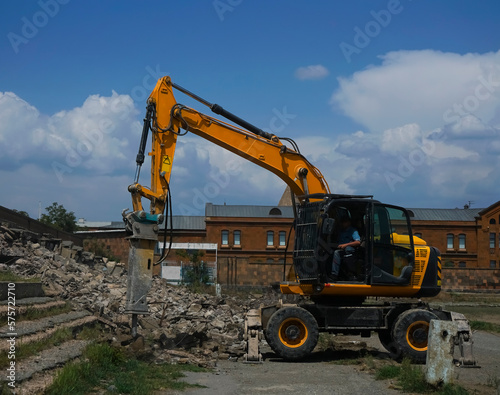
(339, 369)
(319, 374)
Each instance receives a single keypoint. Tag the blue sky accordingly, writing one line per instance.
(399, 99)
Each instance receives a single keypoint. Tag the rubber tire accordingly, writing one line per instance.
(293, 319)
(410, 333)
(385, 337)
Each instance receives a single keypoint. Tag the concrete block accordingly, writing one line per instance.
(440, 352)
(20, 290)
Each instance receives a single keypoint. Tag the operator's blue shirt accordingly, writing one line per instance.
(348, 235)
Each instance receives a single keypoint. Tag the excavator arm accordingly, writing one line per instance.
(167, 120)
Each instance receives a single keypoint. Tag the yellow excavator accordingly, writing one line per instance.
(387, 262)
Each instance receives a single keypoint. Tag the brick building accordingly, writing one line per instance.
(245, 245)
(453, 231)
(467, 238)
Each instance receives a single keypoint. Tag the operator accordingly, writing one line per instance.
(348, 240)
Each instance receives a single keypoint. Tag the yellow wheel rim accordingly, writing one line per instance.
(417, 335)
(293, 333)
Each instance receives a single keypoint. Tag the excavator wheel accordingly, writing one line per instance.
(389, 344)
(292, 333)
(410, 333)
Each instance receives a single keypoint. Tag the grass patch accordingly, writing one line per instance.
(347, 362)
(24, 351)
(7, 275)
(411, 378)
(485, 326)
(388, 372)
(325, 341)
(61, 335)
(33, 313)
(90, 332)
(99, 360)
(105, 367)
(468, 297)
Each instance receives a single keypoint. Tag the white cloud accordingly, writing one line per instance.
(313, 72)
(94, 136)
(82, 158)
(401, 138)
(427, 87)
(407, 153)
(96, 197)
(432, 128)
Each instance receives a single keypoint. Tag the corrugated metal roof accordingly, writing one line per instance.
(183, 222)
(444, 214)
(179, 222)
(248, 211)
(115, 225)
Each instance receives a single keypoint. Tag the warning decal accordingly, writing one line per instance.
(166, 164)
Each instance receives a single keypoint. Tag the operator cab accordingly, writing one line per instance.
(384, 257)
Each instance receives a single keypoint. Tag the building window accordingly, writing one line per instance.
(461, 242)
(493, 238)
(493, 264)
(225, 237)
(449, 241)
(282, 238)
(270, 238)
(449, 264)
(237, 237)
(462, 264)
(275, 211)
(492, 221)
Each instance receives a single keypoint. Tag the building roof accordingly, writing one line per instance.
(444, 214)
(179, 222)
(182, 222)
(115, 225)
(248, 211)
(82, 222)
(490, 208)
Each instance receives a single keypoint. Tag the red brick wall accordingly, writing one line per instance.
(435, 233)
(244, 271)
(472, 280)
(485, 253)
(115, 242)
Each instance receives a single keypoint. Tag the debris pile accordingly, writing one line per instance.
(182, 322)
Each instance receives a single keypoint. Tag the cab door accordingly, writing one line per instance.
(391, 245)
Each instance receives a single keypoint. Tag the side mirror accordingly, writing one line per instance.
(328, 226)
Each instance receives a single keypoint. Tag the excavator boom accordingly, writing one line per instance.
(168, 119)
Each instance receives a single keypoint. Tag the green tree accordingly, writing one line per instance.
(22, 212)
(60, 218)
(99, 248)
(197, 273)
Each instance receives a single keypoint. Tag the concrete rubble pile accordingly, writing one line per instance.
(192, 324)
